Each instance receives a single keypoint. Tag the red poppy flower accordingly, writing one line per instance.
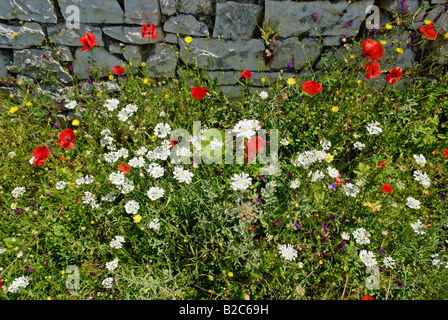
(445, 153)
(367, 298)
(173, 143)
(40, 154)
(393, 75)
(312, 87)
(427, 31)
(372, 49)
(62, 159)
(436, 152)
(125, 168)
(381, 164)
(246, 74)
(149, 31)
(198, 92)
(387, 188)
(118, 70)
(373, 69)
(1, 285)
(253, 146)
(88, 41)
(66, 138)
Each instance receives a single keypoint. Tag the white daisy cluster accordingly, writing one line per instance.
(12, 154)
(18, 284)
(422, 178)
(438, 261)
(155, 193)
(125, 113)
(137, 162)
(332, 172)
(216, 144)
(373, 127)
(325, 144)
(287, 252)
(155, 170)
(316, 176)
(154, 224)
(132, 207)
(350, 190)
(246, 128)
(263, 95)
(413, 203)
(110, 197)
(309, 157)
(162, 130)
(182, 175)
(368, 258)
(89, 198)
(240, 182)
(17, 192)
(113, 156)
(418, 227)
(111, 104)
(117, 242)
(359, 145)
(108, 283)
(161, 152)
(361, 236)
(121, 182)
(420, 159)
(112, 265)
(141, 151)
(107, 141)
(70, 104)
(60, 185)
(295, 184)
(85, 180)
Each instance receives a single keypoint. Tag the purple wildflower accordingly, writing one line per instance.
(23, 110)
(323, 239)
(297, 225)
(349, 24)
(29, 269)
(314, 16)
(382, 251)
(374, 31)
(258, 199)
(70, 69)
(332, 186)
(56, 125)
(261, 177)
(216, 171)
(399, 283)
(403, 6)
(89, 80)
(276, 223)
(44, 56)
(289, 66)
(17, 211)
(68, 293)
(342, 245)
(289, 174)
(325, 226)
(442, 196)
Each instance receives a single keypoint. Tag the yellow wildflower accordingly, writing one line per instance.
(329, 158)
(291, 81)
(137, 218)
(388, 26)
(427, 22)
(28, 104)
(400, 50)
(145, 80)
(111, 77)
(14, 34)
(335, 109)
(166, 96)
(383, 42)
(359, 81)
(230, 274)
(13, 109)
(143, 64)
(188, 39)
(352, 56)
(75, 122)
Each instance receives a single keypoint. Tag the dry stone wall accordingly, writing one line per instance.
(227, 35)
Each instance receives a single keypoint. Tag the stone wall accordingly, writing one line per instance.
(227, 35)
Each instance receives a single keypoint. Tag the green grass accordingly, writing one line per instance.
(203, 249)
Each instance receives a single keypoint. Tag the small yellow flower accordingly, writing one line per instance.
(145, 80)
(383, 42)
(111, 77)
(48, 298)
(321, 262)
(137, 218)
(98, 94)
(154, 137)
(188, 39)
(130, 63)
(359, 81)
(92, 222)
(13, 109)
(75, 131)
(230, 274)
(186, 48)
(62, 272)
(166, 96)
(352, 56)
(335, 109)
(75, 122)
(446, 35)
(388, 26)
(427, 21)
(263, 80)
(400, 50)
(28, 104)
(46, 277)
(329, 158)
(324, 186)
(291, 81)
(143, 64)
(14, 34)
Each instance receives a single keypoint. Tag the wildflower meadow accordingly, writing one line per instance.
(326, 185)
